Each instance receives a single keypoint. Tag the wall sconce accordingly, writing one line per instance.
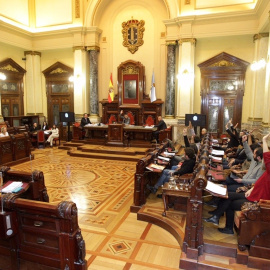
(2, 76)
(256, 65)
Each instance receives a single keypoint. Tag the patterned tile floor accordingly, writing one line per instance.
(103, 192)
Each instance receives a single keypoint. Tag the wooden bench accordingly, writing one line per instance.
(43, 235)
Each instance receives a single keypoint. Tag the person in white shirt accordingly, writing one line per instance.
(4, 132)
(55, 134)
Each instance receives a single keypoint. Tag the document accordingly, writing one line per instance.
(12, 186)
(215, 188)
(163, 158)
(155, 167)
(217, 152)
(216, 158)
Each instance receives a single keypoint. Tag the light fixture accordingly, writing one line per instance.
(71, 78)
(2, 76)
(256, 65)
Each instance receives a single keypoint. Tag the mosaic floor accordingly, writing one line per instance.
(103, 192)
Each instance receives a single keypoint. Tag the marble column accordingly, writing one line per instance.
(93, 59)
(170, 79)
(185, 76)
(33, 85)
(258, 80)
(81, 93)
(266, 97)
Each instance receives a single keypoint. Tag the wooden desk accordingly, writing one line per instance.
(179, 190)
(132, 135)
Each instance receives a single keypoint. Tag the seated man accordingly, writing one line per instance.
(126, 119)
(160, 126)
(186, 167)
(34, 128)
(85, 121)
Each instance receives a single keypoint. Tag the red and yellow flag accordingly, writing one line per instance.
(111, 92)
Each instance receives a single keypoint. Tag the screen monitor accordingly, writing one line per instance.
(197, 120)
(67, 116)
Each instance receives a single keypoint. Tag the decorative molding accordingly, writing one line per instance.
(191, 40)
(255, 119)
(77, 8)
(77, 48)
(133, 34)
(259, 36)
(58, 70)
(9, 68)
(130, 70)
(169, 117)
(163, 34)
(93, 48)
(171, 42)
(187, 2)
(32, 53)
(223, 63)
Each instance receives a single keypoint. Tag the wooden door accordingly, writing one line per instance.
(222, 91)
(60, 92)
(220, 110)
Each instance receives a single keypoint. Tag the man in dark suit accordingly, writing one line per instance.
(85, 121)
(34, 128)
(160, 126)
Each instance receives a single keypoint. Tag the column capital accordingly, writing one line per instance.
(78, 48)
(191, 40)
(93, 48)
(32, 53)
(171, 42)
(259, 36)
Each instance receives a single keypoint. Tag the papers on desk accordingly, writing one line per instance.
(12, 186)
(216, 158)
(216, 189)
(148, 126)
(217, 152)
(47, 132)
(163, 158)
(214, 140)
(155, 167)
(167, 154)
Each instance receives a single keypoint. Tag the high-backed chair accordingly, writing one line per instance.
(112, 119)
(40, 138)
(149, 121)
(55, 140)
(165, 134)
(131, 117)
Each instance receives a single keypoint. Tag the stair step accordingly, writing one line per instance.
(104, 156)
(111, 151)
(73, 144)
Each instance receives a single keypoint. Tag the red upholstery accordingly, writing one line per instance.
(112, 119)
(149, 120)
(56, 140)
(40, 138)
(131, 117)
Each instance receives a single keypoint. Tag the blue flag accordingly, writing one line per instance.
(153, 89)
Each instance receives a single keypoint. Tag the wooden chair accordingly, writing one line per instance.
(40, 138)
(112, 119)
(165, 134)
(131, 117)
(149, 121)
(55, 140)
(253, 224)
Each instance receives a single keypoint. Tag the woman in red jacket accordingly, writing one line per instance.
(261, 190)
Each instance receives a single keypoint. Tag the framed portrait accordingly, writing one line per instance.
(130, 89)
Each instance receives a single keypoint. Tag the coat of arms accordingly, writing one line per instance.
(133, 34)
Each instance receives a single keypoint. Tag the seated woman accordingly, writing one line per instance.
(4, 132)
(261, 190)
(44, 126)
(55, 134)
(186, 167)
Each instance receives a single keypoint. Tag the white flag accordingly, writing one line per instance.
(153, 89)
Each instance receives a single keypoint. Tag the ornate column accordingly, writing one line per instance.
(259, 81)
(81, 95)
(93, 59)
(33, 89)
(266, 97)
(170, 79)
(185, 85)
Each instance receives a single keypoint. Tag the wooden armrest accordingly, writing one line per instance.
(264, 204)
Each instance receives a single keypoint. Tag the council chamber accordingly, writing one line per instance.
(101, 101)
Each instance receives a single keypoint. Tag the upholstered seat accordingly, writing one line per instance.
(131, 117)
(112, 119)
(165, 134)
(40, 139)
(149, 120)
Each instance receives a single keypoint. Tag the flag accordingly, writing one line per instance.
(153, 89)
(111, 92)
